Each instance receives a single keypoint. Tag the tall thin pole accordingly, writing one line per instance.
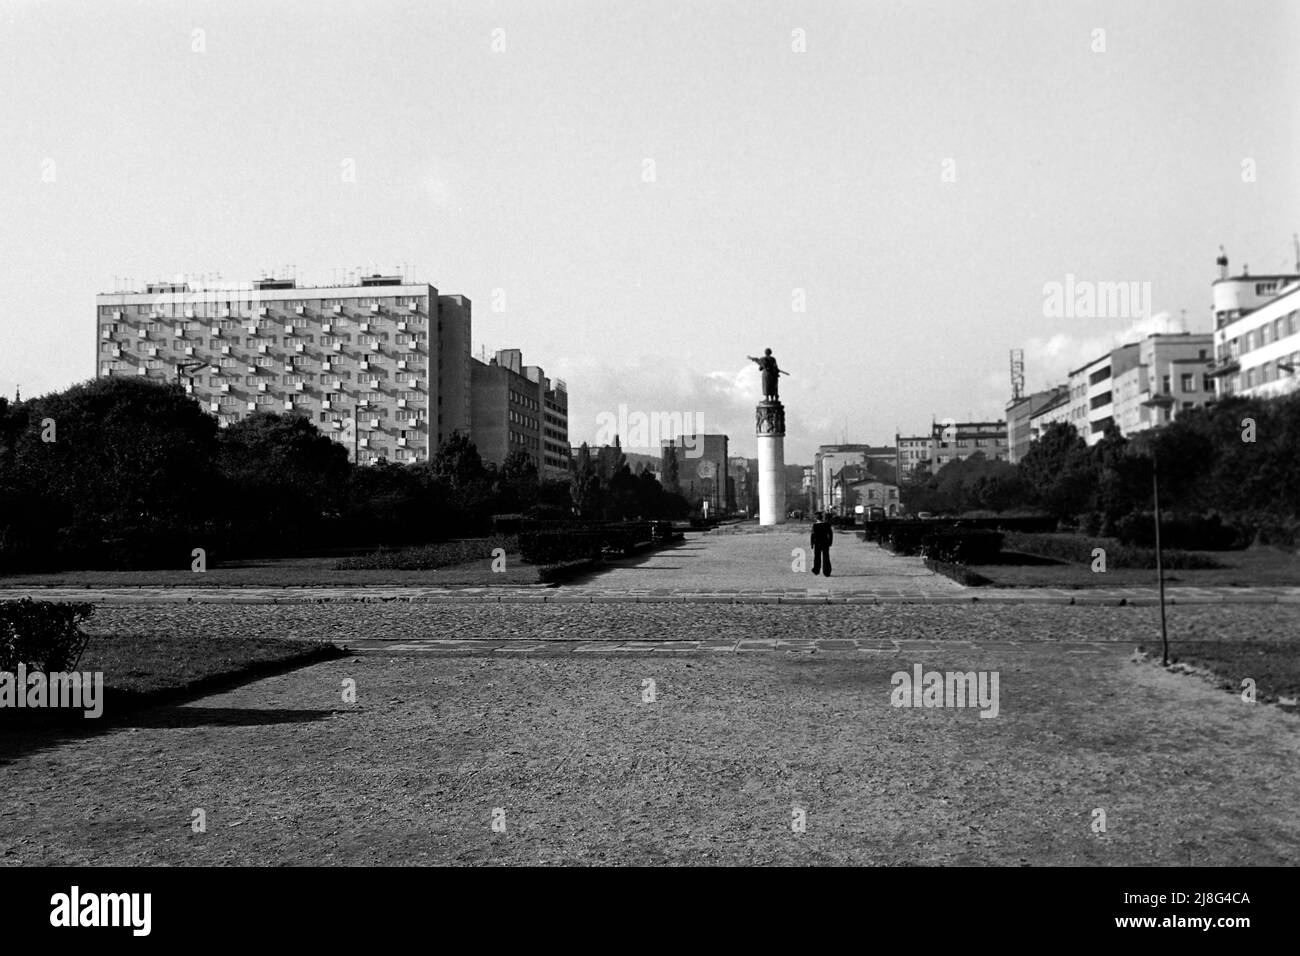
(1160, 566)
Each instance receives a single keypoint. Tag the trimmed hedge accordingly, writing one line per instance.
(429, 557)
(1186, 532)
(42, 635)
(559, 547)
(963, 545)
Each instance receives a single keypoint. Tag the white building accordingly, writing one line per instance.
(1256, 334)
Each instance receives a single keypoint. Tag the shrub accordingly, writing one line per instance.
(42, 635)
(1191, 532)
(430, 556)
(557, 547)
(963, 545)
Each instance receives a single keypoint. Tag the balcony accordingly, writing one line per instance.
(261, 386)
(106, 334)
(326, 366)
(288, 329)
(227, 313)
(375, 347)
(326, 327)
(189, 350)
(300, 386)
(264, 311)
(143, 371)
(412, 423)
(414, 308)
(117, 353)
(300, 348)
(338, 310)
(153, 352)
(402, 326)
(178, 333)
(216, 331)
(214, 406)
(401, 403)
(338, 346)
(288, 366)
(401, 442)
(363, 363)
(364, 326)
(363, 442)
(301, 310)
(252, 406)
(119, 315)
(326, 404)
(414, 383)
(252, 369)
(142, 333)
(363, 403)
(288, 404)
(401, 364)
(225, 387)
(376, 309)
(225, 350)
(189, 314)
(264, 350)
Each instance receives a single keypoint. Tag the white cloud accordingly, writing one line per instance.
(1048, 361)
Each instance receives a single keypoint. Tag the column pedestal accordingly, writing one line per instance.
(770, 429)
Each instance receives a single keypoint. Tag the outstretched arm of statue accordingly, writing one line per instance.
(783, 371)
(753, 359)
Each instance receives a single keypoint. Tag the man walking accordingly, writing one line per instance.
(822, 537)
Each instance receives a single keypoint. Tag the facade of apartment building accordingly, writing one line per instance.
(1256, 334)
(515, 407)
(378, 366)
(912, 452)
(1171, 376)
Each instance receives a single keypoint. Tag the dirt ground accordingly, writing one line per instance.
(576, 767)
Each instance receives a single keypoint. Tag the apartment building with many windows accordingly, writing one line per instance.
(516, 407)
(380, 366)
(1256, 334)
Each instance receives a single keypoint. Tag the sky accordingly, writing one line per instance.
(639, 196)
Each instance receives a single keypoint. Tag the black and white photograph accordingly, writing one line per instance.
(693, 434)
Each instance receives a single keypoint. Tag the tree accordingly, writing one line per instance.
(672, 481)
(584, 484)
(114, 472)
(1059, 471)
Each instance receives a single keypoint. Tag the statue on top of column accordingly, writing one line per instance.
(768, 367)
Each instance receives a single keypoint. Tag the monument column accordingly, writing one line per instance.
(770, 429)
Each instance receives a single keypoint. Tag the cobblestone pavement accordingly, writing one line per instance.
(663, 628)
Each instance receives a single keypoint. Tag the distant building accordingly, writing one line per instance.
(957, 441)
(380, 366)
(1055, 410)
(515, 407)
(1256, 334)
(860, 484)
(913, 454)
(1020, 414)
(702, 470)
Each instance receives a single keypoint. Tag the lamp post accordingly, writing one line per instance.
(1160, 568)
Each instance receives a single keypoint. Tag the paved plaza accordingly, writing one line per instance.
(625, 721)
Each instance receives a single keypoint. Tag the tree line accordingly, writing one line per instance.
(1236, 462)
(121, 473)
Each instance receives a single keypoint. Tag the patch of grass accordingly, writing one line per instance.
(142, 670)
(1273, 666)
(1078, 548)
(1254, 567)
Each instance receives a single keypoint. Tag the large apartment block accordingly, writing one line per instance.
(381, 366)
(516, 407)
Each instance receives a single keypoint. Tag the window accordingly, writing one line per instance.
(1164, 384)
(1250, 378)
(1279, 329)
(1187, 382)
(1292, 323)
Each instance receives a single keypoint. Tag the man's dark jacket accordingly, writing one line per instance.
(822, 534)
